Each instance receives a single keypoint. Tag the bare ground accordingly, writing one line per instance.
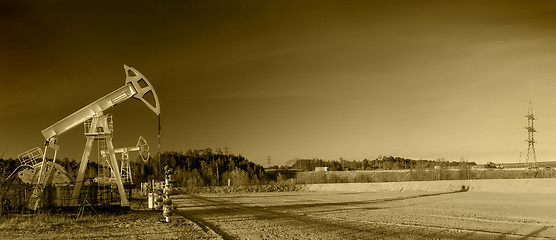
(367, 215)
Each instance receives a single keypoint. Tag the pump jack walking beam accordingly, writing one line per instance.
(132, 88)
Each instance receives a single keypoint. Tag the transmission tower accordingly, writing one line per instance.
(268, 159)
(531, 155)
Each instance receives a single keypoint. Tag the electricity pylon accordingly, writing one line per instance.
(531, 155)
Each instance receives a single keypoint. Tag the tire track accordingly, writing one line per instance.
(206, 225)
(236, 212)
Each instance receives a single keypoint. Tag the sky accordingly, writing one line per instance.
(288, 79)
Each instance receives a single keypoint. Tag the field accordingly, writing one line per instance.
(459, 209)
(342, 212)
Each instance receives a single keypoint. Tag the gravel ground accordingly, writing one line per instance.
(384, 215)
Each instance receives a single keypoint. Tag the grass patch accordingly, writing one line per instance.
(135, 224)
(241, 189)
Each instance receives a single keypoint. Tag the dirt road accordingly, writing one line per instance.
(385, 215)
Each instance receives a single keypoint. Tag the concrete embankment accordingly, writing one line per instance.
(538, 185)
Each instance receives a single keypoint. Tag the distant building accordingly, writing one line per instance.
(321, 169)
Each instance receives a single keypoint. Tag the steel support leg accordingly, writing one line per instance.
(81, 173)
(116, 172)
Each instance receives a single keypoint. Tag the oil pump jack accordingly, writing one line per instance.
(98, 127)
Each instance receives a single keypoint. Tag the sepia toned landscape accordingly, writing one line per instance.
(278, 119)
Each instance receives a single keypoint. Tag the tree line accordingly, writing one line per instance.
(380, 163)
(201, 167)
